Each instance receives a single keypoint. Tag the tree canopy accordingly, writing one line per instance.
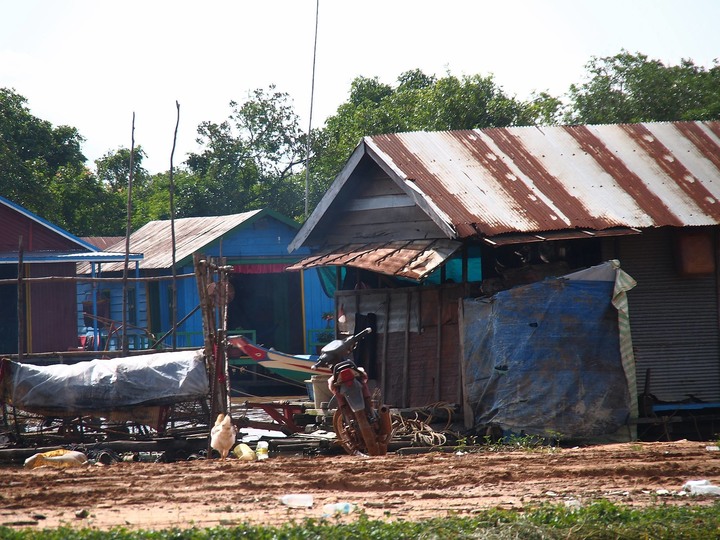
(631, 88)
(251, 160)
(256, 157)
(42, 168)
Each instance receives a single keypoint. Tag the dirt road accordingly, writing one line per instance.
(208, 493)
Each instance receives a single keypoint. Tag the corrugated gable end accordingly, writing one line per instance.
(528, 179)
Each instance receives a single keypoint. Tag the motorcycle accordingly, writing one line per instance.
(360, 426)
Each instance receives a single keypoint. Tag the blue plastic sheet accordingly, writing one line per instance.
(545, 359)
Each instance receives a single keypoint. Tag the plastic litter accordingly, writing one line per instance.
(58, 459)
(701, 487)
(243, 452)
(332, 509)
(297, 500)
(262, 450)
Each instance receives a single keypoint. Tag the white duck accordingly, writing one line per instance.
(222, 435)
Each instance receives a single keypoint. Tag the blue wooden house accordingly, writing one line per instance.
(277, 308)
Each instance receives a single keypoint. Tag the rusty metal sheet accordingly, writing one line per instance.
(154, 240)
(409, 259)
(530, 179)
(568, 234)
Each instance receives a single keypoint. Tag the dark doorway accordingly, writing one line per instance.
(8, 311)
(271, 305)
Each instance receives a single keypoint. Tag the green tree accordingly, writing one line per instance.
(113, 169)
(419, 102)
(84, 206)
(113, 177)
(251, 160)
(627, 88)
(153, 201)
(32, 152)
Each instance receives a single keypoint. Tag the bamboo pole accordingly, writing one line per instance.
(406, 352)
(438, 350)
(172, 234)
(220, 349)
(383, 362)
(124, 335)
(49, 279)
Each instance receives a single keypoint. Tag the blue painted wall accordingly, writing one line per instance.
(259, 242)
(112, 293)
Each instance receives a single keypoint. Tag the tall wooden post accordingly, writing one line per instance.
(20, 302)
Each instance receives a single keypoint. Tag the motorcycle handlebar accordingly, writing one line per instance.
(345, 348)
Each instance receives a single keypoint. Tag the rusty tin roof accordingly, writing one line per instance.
(192, 234)
(504, 181)
(413, 259)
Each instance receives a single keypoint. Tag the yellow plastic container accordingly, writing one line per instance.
(58, 459)
(243, 452)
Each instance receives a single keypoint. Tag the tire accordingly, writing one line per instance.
(353, 438)
(368, 434)
(346, 436)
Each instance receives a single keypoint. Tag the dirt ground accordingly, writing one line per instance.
(206, 493)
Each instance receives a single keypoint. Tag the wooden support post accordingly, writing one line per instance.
(201, 269)
(438, 352)
(383, 361)
(406, 352)
(21, 302)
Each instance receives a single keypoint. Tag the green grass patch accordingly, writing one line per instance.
(598, 521)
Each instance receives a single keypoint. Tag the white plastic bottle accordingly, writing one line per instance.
(701, 487)
(331, 509)
(262, 450)
(297, 500)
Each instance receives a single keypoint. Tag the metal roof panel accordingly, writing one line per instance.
(412, 259)
(154, 239)
(531, 179)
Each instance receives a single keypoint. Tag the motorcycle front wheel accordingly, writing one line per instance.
(355, 435)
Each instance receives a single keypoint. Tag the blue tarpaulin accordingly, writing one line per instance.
(551, 358)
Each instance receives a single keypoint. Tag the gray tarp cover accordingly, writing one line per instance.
(547, 358)
(160, 378)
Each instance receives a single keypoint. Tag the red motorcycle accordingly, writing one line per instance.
(360, 426)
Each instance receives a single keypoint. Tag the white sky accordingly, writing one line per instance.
(91, 63)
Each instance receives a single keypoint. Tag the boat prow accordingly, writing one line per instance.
(296, 367)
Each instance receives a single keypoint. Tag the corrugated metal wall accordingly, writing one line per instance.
(673, 319)
(52, 310)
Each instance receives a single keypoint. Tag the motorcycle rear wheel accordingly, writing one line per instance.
(352, 437)
(368, 434)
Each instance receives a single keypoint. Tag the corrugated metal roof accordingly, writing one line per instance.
(154, 239)
(413, 259)
(81, 257)
(528, 179)
(102, 242)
